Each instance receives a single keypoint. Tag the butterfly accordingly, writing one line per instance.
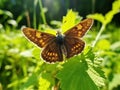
(54, 47)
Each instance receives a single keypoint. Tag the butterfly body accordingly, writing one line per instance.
(59, 39)
(68, 43)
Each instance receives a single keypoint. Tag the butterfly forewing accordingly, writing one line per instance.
(52, 52)
(37, 37)
(80, 29)
(73, 46)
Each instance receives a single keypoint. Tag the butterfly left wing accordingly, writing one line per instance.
(80, 29)
(52, 52)
(41, 39)
(73, 46)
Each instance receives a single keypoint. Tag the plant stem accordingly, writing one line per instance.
(42, 12)
(34, 14)
(99, 34)
(93, 6)
(28, 18)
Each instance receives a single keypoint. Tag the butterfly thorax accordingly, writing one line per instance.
(59, 38)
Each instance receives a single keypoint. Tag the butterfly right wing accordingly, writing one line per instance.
(41, 39)
(52, 52)
(80, 29)
(73, 46)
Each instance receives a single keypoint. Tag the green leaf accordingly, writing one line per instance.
(7, 13)
(46, 81)
(69, 20)
(46, 28)
(88, 51)
(26, 53)
(73, 76)
(116, 5)
(55, 23)
(97, 16)
(97, 75)
(116, 46)
(115, 82)
(12, 22)
(109, 16)
(36, 53)
(102, 43)
(115, 10)
(32, 80)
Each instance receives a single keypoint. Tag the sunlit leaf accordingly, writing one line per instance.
(73, 76)
(103, 44)
(27, 53)
(89, 54)
(97, 76)
(115, 10)
(115, 82)
(116, 5)
(69, 20)
(7, 13)
(108, 16)
(1, 26)
(47, 29)
(56, 23)
(32, 80)
(99, 17)
(51, 31)
(116, 46)
(12, 22)
(44, 84)
(46, 81)
(36, 53)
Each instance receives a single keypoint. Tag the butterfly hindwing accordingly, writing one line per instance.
(41, 39)
(52, 52)
(73, 46)
(80, 29)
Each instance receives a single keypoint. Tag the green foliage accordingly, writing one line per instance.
(8, 17)
(70, 20)
(98, 67)
(115, 82)
(7, 20)
(75, 76)
(108, 16)
(105, 49)
(31, 81)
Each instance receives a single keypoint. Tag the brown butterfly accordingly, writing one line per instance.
(68, 43)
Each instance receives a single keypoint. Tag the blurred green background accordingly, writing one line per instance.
(20, 65)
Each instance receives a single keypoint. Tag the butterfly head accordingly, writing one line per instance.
(58, 32)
